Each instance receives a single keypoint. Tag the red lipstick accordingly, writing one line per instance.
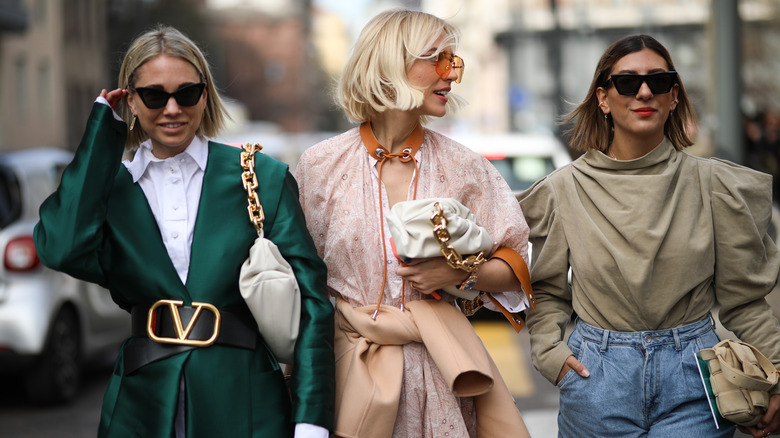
(645, 111)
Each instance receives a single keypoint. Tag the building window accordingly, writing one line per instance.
(44, 90)
(20, 78)
(41, 11)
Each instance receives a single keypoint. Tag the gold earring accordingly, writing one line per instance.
(132, 122)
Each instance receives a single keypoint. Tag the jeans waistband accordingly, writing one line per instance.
(647, 338)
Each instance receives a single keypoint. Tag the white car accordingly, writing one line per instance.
(522, 158)
(51, 325)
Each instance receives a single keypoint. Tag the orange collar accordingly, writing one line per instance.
(380, 153)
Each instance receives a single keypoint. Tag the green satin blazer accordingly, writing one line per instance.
(98, 227)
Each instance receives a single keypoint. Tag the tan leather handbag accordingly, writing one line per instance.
(740, 377)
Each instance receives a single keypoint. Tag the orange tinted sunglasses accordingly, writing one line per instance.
(446, 62)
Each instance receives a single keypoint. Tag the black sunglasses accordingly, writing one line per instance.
(154, 98)
(629, 84)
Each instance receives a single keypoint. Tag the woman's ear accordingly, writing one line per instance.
(131, 102)
(601, 96)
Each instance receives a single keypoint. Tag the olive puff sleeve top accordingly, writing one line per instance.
(652, 243)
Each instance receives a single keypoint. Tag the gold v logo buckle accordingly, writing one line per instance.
(183, 333)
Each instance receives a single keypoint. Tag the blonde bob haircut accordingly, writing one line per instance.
(591, 130)
(169, 41)
(375, 76)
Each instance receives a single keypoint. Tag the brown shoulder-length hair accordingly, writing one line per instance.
(170, 41)
(591, 130)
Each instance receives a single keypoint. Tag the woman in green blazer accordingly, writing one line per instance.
(172, 224)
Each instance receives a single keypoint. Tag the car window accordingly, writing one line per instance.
(10, 197)
(521, 172)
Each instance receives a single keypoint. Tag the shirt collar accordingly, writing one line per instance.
(197, 150)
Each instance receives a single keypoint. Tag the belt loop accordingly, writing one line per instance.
(677, 344)
(712, 320)
(604, 341)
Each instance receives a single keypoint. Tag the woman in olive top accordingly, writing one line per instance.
(655, 238)
(172, 224)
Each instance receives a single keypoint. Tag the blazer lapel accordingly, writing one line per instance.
(223, 233)
(133, 220)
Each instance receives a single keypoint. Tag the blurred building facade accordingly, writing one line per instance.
(270, 63)
(48, 69)
(527, 61)
(56, 55)
(530, 61)
(13, 19)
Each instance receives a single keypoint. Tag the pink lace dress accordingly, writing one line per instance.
(338, 183)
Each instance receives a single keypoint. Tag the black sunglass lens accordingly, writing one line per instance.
(628, 85)
(153, 99)
(660, 84)
(188, 96)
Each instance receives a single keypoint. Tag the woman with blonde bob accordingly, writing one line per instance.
(392, 378)
(166, 232)
(655, 239)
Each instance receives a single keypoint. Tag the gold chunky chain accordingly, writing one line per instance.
(249, 178)
(454, 259)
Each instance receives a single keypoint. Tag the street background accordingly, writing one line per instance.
(276, 61)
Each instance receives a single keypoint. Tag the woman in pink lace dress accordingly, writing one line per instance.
(388, 380)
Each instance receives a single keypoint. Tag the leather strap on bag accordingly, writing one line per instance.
(516, 320)
(520, 268)
(742, 351)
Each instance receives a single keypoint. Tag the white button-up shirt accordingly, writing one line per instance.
(172, 187)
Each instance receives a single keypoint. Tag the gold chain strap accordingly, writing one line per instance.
(249, 178)
(470, 307)
(454, 259)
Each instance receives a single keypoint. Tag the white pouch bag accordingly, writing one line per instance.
(413, 233)
(269, 287)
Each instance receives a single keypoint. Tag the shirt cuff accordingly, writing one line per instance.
(306, 430)
(514, 302)
(104, 101)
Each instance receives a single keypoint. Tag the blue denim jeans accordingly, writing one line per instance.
(641, 384)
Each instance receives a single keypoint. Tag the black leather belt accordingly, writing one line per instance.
(170, 329)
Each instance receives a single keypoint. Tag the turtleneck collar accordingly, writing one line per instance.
(664, 151)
